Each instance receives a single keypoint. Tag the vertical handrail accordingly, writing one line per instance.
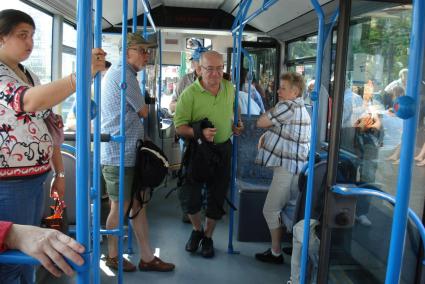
(410, 124)
(130, 228)
(96, 150)
(134, 20)
(249, 76)
(236, 63)
(143, 75)
(84, 44)
(122, 140)
(160, 68)
(322, 37)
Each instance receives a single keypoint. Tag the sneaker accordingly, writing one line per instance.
(194, 240)
(267, 256)
(112, 262)
(156, 264)
(207, 247)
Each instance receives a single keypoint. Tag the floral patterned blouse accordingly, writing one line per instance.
(25, 143)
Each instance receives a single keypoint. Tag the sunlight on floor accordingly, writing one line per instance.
(104, 268)
(157, 252)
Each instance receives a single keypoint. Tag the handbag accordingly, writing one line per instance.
(58, 219)
(54, 124)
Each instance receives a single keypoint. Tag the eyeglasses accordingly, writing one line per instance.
(210, 69)
(141, 50)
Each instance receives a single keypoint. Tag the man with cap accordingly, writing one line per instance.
(189, 78)
(137, 51)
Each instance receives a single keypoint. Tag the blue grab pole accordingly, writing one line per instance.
(134, 29)
(130, 227)
(343, 190)
(145, 35)
(96, 150)
(322, 36)
(147, 12)
(246, 6)
(160, 69)
(264, 7)
(407, 145)
(84, 44)
(122, 140)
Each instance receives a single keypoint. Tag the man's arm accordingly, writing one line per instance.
(185, 131)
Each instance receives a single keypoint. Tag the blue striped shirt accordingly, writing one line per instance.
(110, 111)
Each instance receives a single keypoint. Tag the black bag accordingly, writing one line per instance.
(150, 170)
(204, 160)
(201, 157)
(151, 165)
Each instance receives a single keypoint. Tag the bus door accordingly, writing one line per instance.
(356, 233)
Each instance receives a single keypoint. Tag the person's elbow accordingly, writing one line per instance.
(31, 105)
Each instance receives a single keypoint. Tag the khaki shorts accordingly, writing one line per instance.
(111, 176)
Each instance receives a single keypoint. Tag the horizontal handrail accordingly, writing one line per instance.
(347, 191)
(18, 257)
(71, 136)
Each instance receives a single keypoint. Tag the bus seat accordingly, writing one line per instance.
(70, 188)
(253, 182)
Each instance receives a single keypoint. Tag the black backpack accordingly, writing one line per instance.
(150, 170)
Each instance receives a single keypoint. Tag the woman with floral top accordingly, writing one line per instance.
(28, 149)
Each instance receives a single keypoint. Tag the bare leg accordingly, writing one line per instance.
(112, 223)
(209, 227)
(276, 235)
(141, 230)
(421, 154)
(395, 155)
(195, 219)
(421, 163)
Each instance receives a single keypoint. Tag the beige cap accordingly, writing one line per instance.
(137, 39)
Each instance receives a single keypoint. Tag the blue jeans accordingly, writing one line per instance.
(21, 202)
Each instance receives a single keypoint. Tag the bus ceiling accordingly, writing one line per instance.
(191, 14)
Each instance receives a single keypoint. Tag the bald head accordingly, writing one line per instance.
(211, 70)
(211, 54)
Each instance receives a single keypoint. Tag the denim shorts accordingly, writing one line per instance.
(21, 202)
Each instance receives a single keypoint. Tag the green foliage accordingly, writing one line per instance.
(388, 36)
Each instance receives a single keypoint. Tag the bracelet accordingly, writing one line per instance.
(72, 81)
(60, 174)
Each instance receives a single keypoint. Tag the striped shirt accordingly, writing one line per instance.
(110, 110)
(287, 142)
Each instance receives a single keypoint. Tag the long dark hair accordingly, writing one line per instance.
(10, 18)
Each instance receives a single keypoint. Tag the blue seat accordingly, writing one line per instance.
(253, 182)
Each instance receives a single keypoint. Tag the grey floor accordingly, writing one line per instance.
(169, 235)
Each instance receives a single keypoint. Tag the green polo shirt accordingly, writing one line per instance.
(196, 103)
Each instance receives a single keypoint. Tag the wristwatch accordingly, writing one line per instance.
(59, 174)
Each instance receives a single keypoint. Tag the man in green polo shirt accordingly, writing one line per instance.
(211, 97)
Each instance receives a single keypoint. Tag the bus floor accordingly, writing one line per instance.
(168, 235)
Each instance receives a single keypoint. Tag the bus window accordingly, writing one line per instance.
(40, 61)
